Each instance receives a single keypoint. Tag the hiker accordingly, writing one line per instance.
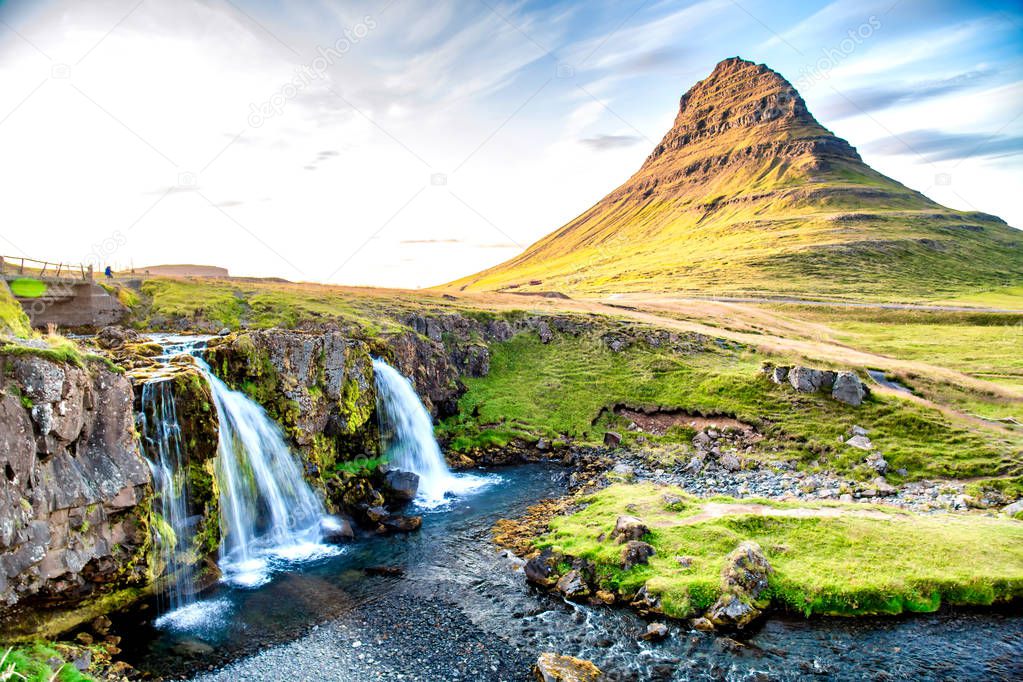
(109, 273)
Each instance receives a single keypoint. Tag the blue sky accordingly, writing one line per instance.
(398, 144)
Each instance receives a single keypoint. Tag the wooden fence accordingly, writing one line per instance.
(15, 266)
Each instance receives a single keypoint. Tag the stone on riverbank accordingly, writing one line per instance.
(551, 667)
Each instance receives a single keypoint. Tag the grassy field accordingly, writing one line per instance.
(827, 558)
(559, 390)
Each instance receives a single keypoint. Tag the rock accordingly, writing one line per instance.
(858, 431)
(376, 514)
(635, 553)
(730, 461)
(861, 442)
(543, 330)
(702, 624)
(655, 632)
(806, 380)
(605, 596)
(540, 569)
(876, 460)
(543, 445)
(612, 439)
(746, 570)
(702, 440)
(84, 638)
(684, 561)
(646, 601)
(403, 524)
(628, 528)
(551, 667)
(730, 611)
(624, 470)
(224, 331)
(849, 389)
(114, 337)
(573, 586)
(402, 485)
(845, 497)
(1014, 508)
(336, 530)
(672, 500)
(780, 375)
(74, 503)
(743, 580)
(883, 488)
(695, 464)
(101, 625)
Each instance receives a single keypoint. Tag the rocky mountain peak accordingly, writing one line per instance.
(749, 102)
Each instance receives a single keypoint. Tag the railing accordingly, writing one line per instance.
(30, 267)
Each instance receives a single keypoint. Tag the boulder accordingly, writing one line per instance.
(624, 471)
(861, 442)
(573, 586)
(114, 337)
(628, 528)
(403, 524)
(543, 330)
(336, 530)
(1014, 508)
(551, 667)
(780, 375)
(849, 389)
(730, 461)
(612, 439)
(731, 611)
(540, 569)
(402, 485)
(635, 553)
(876, 461)
(743, 580)
(805, 380)
(655, 632)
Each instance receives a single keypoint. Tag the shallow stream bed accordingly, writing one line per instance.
(461, 611)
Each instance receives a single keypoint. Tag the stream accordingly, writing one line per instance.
(462, 611)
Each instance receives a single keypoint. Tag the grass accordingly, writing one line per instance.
(62, 350)
(234, 304)
(13, 320)
(30, 663)
(845, 565)
(560, 389)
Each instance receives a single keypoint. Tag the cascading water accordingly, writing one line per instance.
(406, 434)
(267, 508)
(161, 436)
(268, 513)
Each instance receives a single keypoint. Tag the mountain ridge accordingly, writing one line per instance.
(748, 193)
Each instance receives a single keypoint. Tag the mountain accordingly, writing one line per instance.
(749, 194)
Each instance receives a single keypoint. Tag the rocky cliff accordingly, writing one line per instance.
(74, 495)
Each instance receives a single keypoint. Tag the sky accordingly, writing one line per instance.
(406, 144)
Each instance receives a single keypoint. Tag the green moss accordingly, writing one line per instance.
(360, 467)
(849, 564)
(561, 388)
(32, 663)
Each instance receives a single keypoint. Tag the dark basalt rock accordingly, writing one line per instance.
(74, 500)
(635, 553)
(401, 486)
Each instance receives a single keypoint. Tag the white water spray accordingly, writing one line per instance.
(406, 434)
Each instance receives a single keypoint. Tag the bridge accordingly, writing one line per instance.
(60, 294)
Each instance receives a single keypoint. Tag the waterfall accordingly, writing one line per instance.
(406, 435)
(267, 509)
(161, 438)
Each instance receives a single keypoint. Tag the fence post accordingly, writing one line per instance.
(89, 275)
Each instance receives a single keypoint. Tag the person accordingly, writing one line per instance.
(109, 273)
